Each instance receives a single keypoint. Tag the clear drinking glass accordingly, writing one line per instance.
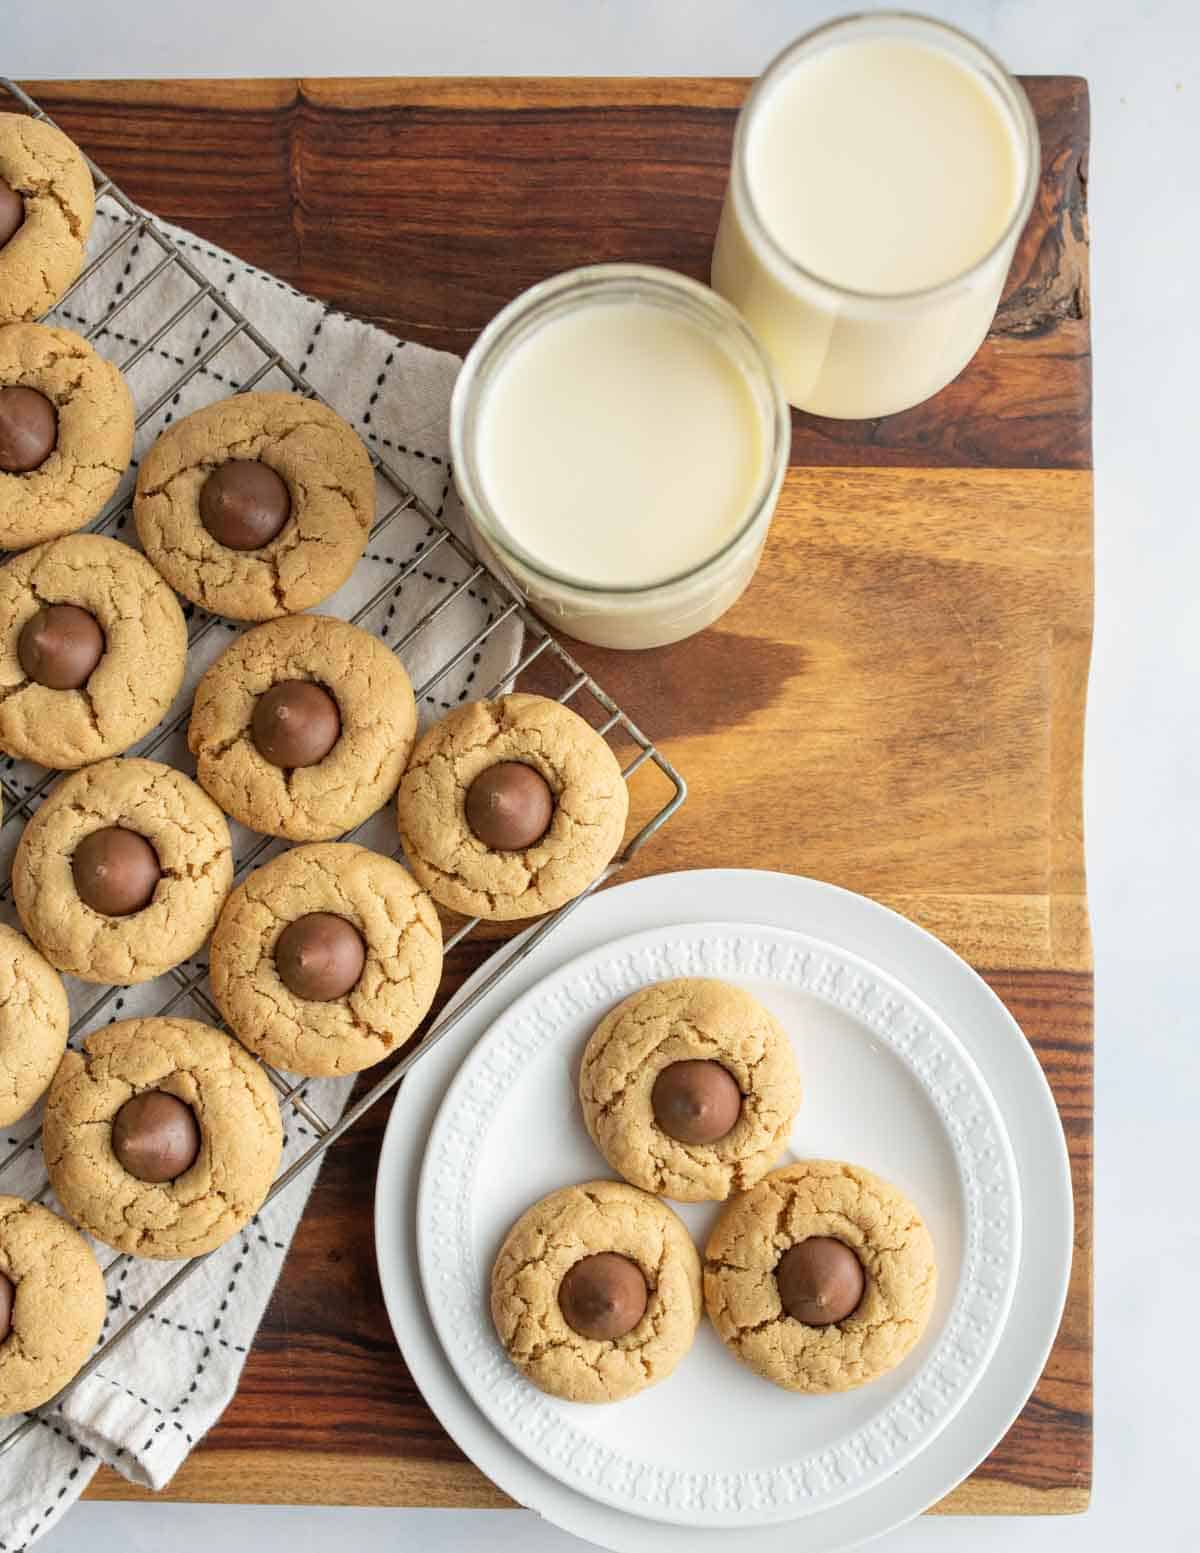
(635, 616)
(863, 353)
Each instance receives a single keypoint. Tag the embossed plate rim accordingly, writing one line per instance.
(917, 1037)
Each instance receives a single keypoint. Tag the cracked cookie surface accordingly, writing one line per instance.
(45, 253)
(58, 1307)
(688, 1018)
(95, 432)
(591, 804)
(378, 721)
(399, 928)
(330, 482)
(34, 1019)
(542, 1247)
(190, 836)
(130, 689)
(241, 1136)
(846, 1203)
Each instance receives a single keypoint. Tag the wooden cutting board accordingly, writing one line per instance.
(895, 705)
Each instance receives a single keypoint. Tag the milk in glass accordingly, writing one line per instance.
(883, 169)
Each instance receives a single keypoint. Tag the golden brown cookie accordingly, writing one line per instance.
(586, 807)
(188, 837)
(385, 925)
(34, 1020)
(625, 1088)
(45, 253)
(845, 1203)
(142, 642)
(240, 1136)
(57, 1304)
(92, 442)
(373, 703)
(325, 503)
(548, 1241)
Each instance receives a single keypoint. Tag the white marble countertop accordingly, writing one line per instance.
(1143, 747)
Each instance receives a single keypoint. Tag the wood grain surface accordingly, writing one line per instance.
(896, 704)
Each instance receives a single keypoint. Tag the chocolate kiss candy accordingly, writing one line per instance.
(60, 646)
(820, 1281)
(28, 429)
(116, 871)
(7, 1295)
(509, 806)
(603, 1296)
(12, 211)
(244, 504)
(320, 956)
(696, 1101)
(155, 1136)
(295, 723)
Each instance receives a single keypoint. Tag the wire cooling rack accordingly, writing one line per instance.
(556, 673)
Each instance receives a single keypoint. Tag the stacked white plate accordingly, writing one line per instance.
(911, 1066)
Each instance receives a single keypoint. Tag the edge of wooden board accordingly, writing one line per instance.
(357, 93)
(281, 1477)
(252, 93)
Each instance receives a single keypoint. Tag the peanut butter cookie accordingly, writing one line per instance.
(34, 1020)
(257, 506)
(302, 727)
(326, 959)
(162, 1136)
(52, 1304)
(689, 1088)
(66, 432)
(47, 203)
(596, 1292)
(821, 1278)
(93, 646)
(510, 808)
(122, 872)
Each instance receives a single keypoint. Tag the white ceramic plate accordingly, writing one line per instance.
(887, 1085)
(1012, 1073)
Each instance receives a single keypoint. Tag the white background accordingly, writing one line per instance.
(1143, 758)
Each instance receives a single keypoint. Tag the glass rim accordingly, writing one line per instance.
(503, 331)
(778, 67)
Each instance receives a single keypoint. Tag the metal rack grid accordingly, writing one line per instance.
(538, 646)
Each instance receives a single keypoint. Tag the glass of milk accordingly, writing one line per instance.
(619, 439)
(884, 167)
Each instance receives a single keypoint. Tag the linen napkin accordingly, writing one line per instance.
(158, 1392)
